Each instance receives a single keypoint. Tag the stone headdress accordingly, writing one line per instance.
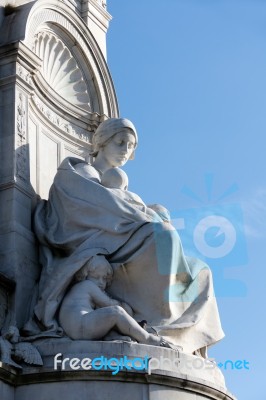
(107, 129)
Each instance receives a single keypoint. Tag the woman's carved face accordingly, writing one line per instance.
(119, 148)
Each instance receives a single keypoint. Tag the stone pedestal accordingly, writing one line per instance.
(168, 374)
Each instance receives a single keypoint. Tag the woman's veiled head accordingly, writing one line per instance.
(108, 129)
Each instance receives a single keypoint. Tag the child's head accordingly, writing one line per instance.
(161, 211)
(97, 270)
(115, 178)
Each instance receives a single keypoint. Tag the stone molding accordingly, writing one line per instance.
(24, 75)
(73, 132)
(100, 7)
(174, 382)
(102, 3)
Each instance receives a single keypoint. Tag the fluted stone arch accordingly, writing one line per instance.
(61, 70)
(67, 24)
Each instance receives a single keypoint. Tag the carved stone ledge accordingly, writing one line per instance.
(74, 132)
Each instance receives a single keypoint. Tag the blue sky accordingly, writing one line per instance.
(191, 75)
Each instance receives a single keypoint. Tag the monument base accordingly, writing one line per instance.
(82, 370)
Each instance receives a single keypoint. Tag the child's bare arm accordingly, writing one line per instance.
(101, 299)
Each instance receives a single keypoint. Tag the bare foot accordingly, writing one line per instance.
(156, 340)
(159, 341)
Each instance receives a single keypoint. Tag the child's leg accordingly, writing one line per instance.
(99, 322)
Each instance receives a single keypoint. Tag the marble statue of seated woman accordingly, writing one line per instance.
(83, 219)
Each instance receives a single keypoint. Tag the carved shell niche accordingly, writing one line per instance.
(61, 71)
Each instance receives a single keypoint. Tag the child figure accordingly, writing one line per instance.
(88, 313)
(116, 179)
